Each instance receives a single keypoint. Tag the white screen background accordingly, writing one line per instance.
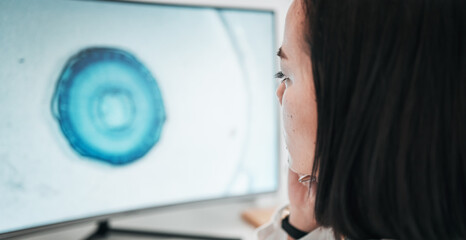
(214, 69)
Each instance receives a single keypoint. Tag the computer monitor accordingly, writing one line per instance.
(110, 107)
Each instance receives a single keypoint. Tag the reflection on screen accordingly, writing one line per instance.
(110, 106)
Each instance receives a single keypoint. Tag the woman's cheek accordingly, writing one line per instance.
(299, 135)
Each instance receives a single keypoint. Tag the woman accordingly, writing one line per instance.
(373, 97)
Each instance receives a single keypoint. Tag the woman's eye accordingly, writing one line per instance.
(281, 76)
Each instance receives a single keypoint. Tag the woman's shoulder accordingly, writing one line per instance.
(273, 231)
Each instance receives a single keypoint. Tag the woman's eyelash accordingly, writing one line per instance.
(279, 75)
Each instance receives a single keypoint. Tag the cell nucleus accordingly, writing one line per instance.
(108, 105)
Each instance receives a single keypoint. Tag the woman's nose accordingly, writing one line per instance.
(280, 91)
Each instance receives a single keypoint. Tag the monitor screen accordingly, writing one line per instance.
(109, 107)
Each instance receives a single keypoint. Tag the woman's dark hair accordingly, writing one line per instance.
(390, 81)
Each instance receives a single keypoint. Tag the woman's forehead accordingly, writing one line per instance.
(294, 41)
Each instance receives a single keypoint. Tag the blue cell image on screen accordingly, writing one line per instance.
(108, 105)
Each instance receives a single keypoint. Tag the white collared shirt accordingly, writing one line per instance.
(273, 231)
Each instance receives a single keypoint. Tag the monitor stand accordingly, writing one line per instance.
(104, 231)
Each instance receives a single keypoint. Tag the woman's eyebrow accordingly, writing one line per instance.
(281, 54)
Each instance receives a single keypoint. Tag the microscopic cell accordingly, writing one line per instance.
(108, 105)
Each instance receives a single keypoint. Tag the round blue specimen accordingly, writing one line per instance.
(108, 105)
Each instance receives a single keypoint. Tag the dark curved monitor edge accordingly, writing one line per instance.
(134, 212)
(192, 5)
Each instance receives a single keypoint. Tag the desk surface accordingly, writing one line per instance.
(217, 219)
